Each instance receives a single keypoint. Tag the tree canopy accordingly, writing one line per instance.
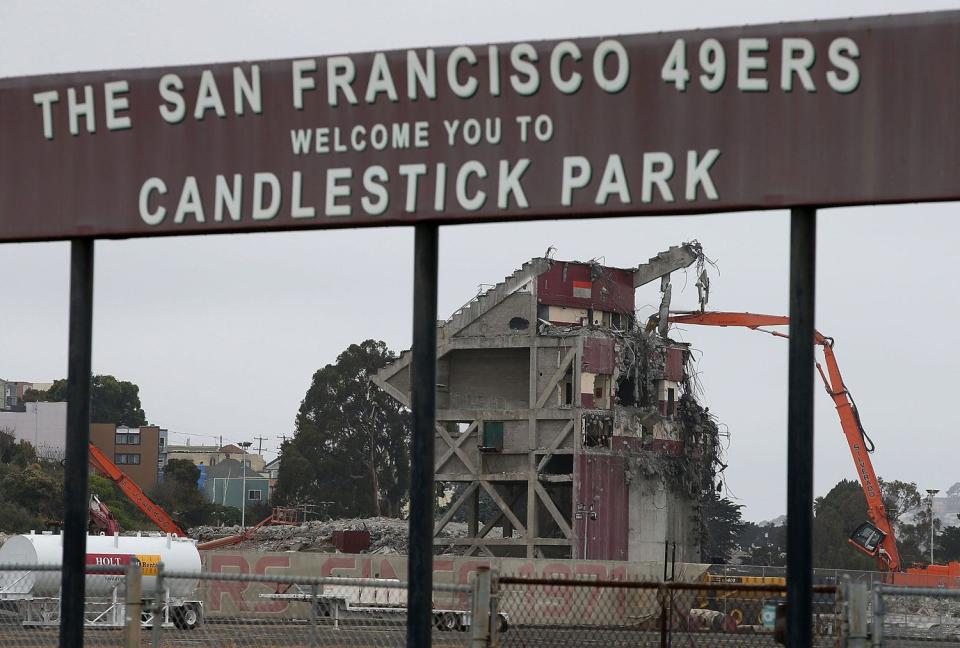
(721, 529)
(836, 516)
(350, 447)
(180, 497)
(111, 400)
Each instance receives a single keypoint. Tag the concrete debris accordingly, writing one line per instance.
(387, 535)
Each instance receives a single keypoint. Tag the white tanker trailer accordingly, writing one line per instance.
(36, 593)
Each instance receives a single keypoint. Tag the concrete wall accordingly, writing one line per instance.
(523, 604)
(489, 378)
(658, 515)
(498, 320)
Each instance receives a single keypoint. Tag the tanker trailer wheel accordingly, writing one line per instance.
(186, 617)
(323, 608)
(448, 622)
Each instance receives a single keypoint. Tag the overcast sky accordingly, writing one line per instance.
(223, 333)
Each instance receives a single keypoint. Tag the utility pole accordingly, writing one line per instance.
(243, 495)
(260, 441)
(931, 492)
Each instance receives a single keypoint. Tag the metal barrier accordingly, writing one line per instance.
(133, 606)
(150, 606)
(619, 613)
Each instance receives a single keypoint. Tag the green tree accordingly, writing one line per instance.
(126, 513)
(948, 544)
(111, 400)
(721, 528)
(765, 544)
(179, 495)
(351, 440)
(12, 451)
(900, 499)
(836, 515)
(903, 504)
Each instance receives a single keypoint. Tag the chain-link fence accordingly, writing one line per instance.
(620, 613)
(909, 616)
(149, 606)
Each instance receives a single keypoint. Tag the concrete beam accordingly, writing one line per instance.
(443, 521)
(507, 511)
(490, 477)
(557, 376)
(564, 433)
(554, 511)
(522, 414)
(492, 542)
(456, 446)
(677, 257)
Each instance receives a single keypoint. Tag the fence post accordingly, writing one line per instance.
(133, 604)
(876, 627)
(314, 618)
(662, 598)
(494, 608)
(157, 607)
(480, 619)
(855, 602)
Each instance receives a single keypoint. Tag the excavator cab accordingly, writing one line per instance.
(867, 538)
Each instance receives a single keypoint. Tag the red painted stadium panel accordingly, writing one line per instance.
(603, 492)
(598, 355)
(611, 289)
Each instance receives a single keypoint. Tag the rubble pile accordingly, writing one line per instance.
(387, 535)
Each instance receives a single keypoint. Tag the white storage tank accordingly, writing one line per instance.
(176, 554)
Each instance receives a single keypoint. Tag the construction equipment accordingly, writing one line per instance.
(874, 537)
(101, 518)
(103, 465)
(280, 515)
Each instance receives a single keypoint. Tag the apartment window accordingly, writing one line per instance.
(126, 459)
(254, 495)
(127, 438)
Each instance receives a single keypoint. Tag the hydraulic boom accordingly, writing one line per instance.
(876, 537)
(157, 515)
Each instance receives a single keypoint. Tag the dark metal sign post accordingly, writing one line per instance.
(76, 469)
(803, 273)
(423, 381)
(792, 115)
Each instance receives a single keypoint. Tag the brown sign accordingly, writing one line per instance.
(820, 113)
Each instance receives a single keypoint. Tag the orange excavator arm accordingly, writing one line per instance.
(876, 539)
(103, 465)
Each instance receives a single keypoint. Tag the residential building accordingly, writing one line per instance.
(135, 451)
(162, 452)
(42, 424)
(8, 394)
(12, 391)
(226, 484)
(563, 423)
(272, 471)
(211, 455)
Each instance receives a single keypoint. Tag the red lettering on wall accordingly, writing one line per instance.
(557, 601)
(338, 564)
(233, 589)
(265, 563)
